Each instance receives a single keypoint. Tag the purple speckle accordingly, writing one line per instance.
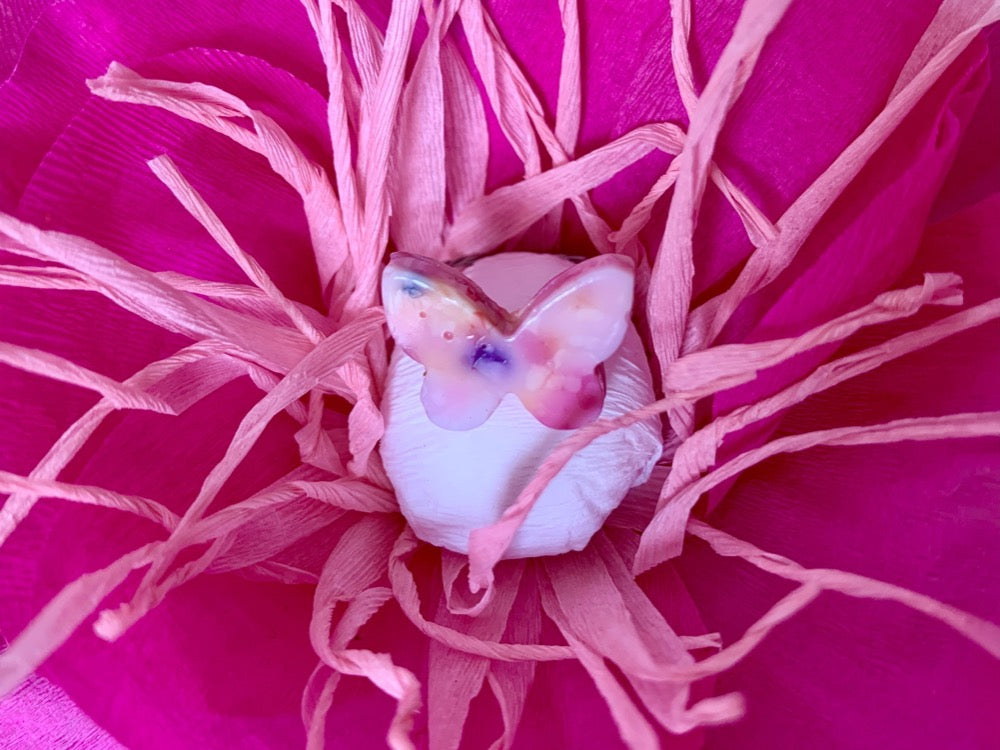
(488, 358)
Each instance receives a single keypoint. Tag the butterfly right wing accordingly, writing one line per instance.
(571, 326)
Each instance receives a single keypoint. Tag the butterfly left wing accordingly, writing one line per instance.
(570, 327)
(455, 401)
(439, 317)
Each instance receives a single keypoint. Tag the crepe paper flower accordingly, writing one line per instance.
(197, 200)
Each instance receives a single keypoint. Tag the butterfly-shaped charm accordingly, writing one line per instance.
(474, 352)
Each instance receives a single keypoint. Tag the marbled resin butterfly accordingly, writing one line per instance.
(474, 352)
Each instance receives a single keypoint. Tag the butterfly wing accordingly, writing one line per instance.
(570, 327)
(455, 401)
(440, 318)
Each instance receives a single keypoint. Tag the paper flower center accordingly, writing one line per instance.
(450, 482)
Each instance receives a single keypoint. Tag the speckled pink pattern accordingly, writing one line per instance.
(474, 352)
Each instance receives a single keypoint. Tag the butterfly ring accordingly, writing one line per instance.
(474, 352)
(494, 366)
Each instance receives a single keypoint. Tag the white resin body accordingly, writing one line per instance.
(451, 482)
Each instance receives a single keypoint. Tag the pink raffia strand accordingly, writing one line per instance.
(308, 374)
(507, 89)
(344, 100)
(723, 367)
(365, 424)
(316, 446)
(168, 173)
(568, 109)
(118, 395)
(680, 35)
(466, 132)
(419, 193)
(984, 634)
(240, 298)
(703, 373)
(954, 25)
(219, 111)
(357, 562)
(632, 634)
(143, 293)
(659, 538)
(184, 378)
(140, 506)
(663, 539)
(951, 31)
(519, 110)
(244, 299)
(670, 287)
(380, 104)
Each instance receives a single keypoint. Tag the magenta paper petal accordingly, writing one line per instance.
(73, 41)
(803, 100)
(227, 656)
(94, 180)
(976, 171)
(564, 708)
(223, 660)
(862, 245)
(871, 234)
(14, 29)
(39, 715)
(862, 674)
